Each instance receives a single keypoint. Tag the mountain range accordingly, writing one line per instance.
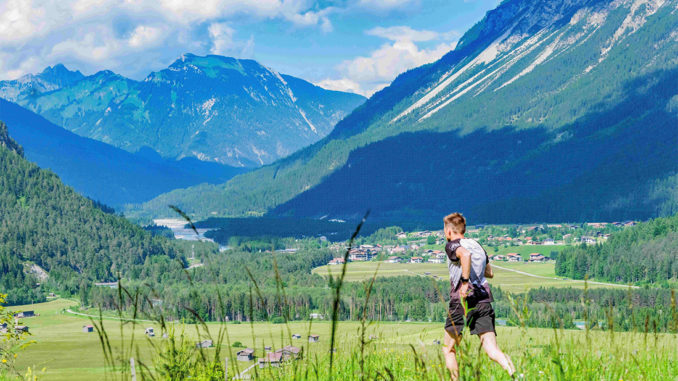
(545, 111)
(220, 109)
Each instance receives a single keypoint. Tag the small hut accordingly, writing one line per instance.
(204, 344)
(313, 338)
(296, 336)
(87, 328)
(246, 354)
(149, 332)
(271, 359)
(289, 352)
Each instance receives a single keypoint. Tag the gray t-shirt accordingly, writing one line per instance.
(479, 261)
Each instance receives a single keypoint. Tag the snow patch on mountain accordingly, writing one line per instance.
(207, 106)
(303, 114)
(484, 57)
(538, 61)
(633, 21)
(515, 53)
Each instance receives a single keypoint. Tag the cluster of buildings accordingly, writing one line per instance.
(4, 327)
(515, 257)
(434, 256)
(365, 253)
(278, 357)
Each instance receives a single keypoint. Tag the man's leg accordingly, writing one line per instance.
(489, 342)
(450, 352)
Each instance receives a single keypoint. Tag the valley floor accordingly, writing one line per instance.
(65, 352)
(510, 276)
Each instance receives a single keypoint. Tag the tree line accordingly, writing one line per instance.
(645, 253)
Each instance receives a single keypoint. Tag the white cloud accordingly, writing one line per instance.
(343, 84)
(403, 33)
(386, 5)
(107, 34)
(145, 36)
(368, 74)
(222, 37)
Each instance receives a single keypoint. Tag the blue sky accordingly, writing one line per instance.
(353, 45)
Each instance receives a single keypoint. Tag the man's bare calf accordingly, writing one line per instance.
(489, 343)
(450, 353)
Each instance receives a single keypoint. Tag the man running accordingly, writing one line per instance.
(469, 267)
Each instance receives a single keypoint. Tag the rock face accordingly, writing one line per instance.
(31, 85)
(7, 142)
(213, 108)
(546, 110)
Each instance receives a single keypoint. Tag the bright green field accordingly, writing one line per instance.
(67, 353)
(510, 276)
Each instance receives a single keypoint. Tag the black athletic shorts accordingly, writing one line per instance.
(480, 319)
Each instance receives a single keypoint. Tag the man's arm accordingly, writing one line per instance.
(488, 271)
(465, 260)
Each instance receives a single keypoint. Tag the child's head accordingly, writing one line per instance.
(455, 223)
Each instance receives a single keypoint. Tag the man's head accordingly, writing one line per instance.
(455, 226)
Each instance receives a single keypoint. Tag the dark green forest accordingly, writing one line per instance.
(645, 253)
(243, 286)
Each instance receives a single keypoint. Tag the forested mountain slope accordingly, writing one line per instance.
(103, 172)
(550, 110)
(647, 252)
(45, 223)
(214, 108)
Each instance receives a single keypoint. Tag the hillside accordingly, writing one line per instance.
(551, 110)
(45, 224)
(214, 108)
(103, 172)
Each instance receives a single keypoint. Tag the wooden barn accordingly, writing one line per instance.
(271, 359)
(289, 352)
(204, 344)
(246, 354)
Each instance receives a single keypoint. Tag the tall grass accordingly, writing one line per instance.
(370, 354)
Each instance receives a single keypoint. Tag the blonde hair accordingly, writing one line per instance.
(455, 222)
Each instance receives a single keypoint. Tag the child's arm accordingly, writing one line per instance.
(488, 271)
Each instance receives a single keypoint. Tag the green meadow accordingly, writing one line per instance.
(399, 351)
(510, 276)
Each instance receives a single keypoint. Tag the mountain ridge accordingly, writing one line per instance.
(526, 65)
(214, 108)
